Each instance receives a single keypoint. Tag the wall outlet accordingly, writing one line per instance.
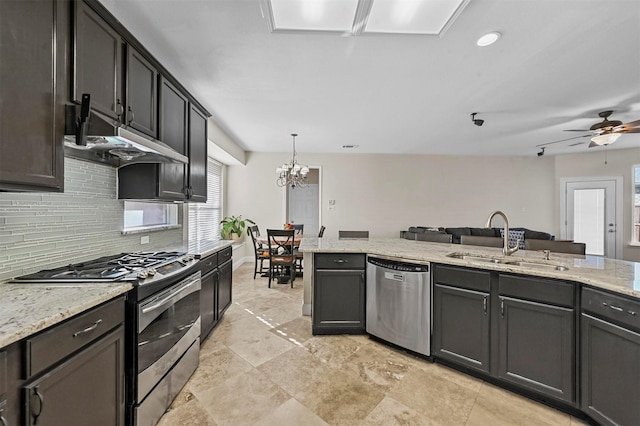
(144, 240)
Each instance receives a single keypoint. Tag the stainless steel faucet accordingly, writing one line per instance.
(505, 249)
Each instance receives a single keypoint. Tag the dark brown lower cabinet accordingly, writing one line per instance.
(86, 389)
(216, 289)
(461, 323)
(339, 294)
(536, 347)
(610, 363)
(224, 287)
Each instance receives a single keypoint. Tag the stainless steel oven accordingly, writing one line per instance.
(168, 341)
(162, 324)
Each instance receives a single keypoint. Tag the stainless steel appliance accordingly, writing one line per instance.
(399, 303)
(162, 322)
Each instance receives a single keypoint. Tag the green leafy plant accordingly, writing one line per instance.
(234, 225)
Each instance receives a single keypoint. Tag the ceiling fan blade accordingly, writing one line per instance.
(632, 124)
(592, 144)
(577, 130)
(636, 130)
(563, 140)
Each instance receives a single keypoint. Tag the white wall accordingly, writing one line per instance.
(388, 193)
(619, 163)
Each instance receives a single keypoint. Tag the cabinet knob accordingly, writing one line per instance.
(130, 116)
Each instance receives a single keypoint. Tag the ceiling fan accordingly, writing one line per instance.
(608, 131)
(604, 132)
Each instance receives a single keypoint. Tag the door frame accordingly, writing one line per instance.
(284, 197)
(620, 225)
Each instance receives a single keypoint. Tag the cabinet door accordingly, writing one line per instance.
(174, 108)
(461, 326)
(98, 62)
(208, 312)
(536, 347)
(339, 302)
(224, 288)
(33, 88)
(197, 155)
(87, 389)
(142, 88)
(610, 372)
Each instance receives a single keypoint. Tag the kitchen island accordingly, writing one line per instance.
(564, 330)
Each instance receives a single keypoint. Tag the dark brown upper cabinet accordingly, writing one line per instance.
(34, 37)
(142, 94)
(197, 188)
(97, 62)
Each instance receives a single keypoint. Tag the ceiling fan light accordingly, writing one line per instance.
(605, 139)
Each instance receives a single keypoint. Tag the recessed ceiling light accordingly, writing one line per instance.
(350, 146)
(488, 39)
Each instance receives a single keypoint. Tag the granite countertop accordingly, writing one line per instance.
(26, 309)
(610, 274)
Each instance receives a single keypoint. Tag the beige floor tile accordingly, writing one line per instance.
(438, 398)
(291, 413)
(391, 412)
(294, 370)
(378, 366)
(216, 367)
(333, 350)
(495, 406)
(340, 397)
(189, 413)
(259, 348)
(296, 331)
(242, 399)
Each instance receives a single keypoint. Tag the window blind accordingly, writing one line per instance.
(204, 218)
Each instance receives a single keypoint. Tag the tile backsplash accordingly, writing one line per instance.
(47, 230)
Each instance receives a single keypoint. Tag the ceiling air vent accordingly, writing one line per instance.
(350, 146)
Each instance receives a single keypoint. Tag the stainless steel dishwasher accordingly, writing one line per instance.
(399, 303)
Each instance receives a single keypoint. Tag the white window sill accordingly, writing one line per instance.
(142, 229)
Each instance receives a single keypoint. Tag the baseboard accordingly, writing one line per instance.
(306, 309)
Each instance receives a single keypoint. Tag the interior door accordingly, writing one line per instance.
(592, 215)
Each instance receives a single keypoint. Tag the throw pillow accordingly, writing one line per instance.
(513, 237)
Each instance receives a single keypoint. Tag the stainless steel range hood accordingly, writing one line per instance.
(98, 138)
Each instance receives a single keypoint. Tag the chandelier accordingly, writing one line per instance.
(292, 173)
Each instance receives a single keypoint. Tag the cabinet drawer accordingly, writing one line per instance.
(54, 344)
(224, 255)
(620, 309)
(340, 261)
(537, 289)
(208, 264)
(462, 277)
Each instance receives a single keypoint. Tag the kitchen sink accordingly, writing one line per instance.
(542, 264)
(538, 265)
(478, 257)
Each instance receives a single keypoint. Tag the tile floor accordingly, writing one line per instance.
(262, 366)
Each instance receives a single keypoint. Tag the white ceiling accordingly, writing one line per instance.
(558, 63)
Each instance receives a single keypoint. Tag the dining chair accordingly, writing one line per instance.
(353, 234)
(478, 240)
(260, 251)
(568, 247)
(281, 257)
(321, 233)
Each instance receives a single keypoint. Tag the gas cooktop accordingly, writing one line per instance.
(125, 266)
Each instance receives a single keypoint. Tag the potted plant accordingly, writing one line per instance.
(234, 227)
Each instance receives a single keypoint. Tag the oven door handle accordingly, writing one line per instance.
(171, 297)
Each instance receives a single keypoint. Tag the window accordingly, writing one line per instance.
(204, 218)
(636, 204)
(139, 215)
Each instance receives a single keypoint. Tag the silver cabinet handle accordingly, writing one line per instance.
(501, 308)
(130, 116)
(484, 305)
(340, 261)
(39, 407)
(88, 329)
